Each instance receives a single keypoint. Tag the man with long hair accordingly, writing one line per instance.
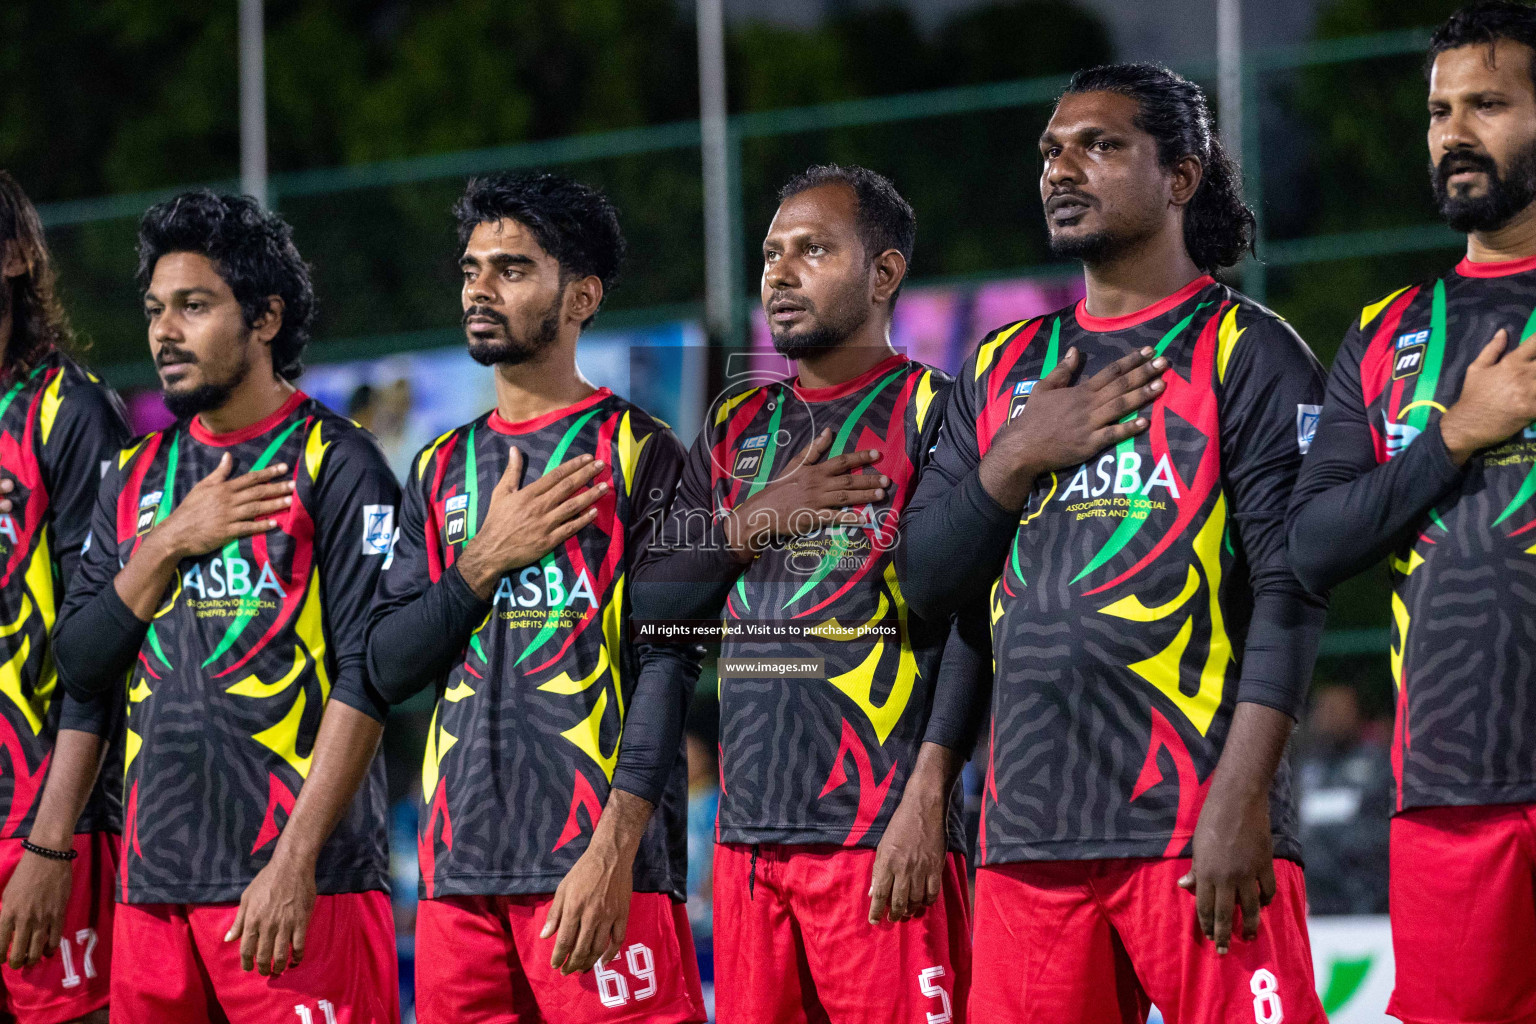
(1116, 474)
(1426, 456)
(59, 426)
(232, 559)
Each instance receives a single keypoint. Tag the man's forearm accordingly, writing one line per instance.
(1255, 744)
(621, 826)
(1352, 521)
(954, 548)
(142, 582)
(72, 770)
(414, 644)
(933, 774)
(344, 750)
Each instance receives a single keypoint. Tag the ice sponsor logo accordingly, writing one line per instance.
(378, 528)
(1399, 437)
(1306, 425)
(147, 506)
(749, 458)
(1411, 339)
(1529, 433)
(456, 519)
(1021, 392)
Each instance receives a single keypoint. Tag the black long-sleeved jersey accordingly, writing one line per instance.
(544, 700)
(1461, 540)
(825, 758)
(59, 427)
(1140, 595)
(226, 686)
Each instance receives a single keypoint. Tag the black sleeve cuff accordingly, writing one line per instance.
(351, 687)
(468, 608)
(93, 716)
(1281, 652)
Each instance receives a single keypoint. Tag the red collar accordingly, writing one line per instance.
(504, 426)
(203, 435)
(1495, 268)
(851, 385)
(1088, 322)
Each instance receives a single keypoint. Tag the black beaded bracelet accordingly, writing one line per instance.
(43, 851)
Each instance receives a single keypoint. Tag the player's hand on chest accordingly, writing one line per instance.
(224, 506)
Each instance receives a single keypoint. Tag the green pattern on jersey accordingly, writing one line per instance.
(246, 613)
(1051, 359)
(172, 461)
(1528, 486)
(548, 629)
(471, 489)
(839, 545)
(10, 396)
(759, 481)
(1130, 526)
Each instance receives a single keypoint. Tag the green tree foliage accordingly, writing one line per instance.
(129, 95)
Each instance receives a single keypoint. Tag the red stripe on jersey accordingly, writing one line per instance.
(871, 796)
(720, 456)
(994, 412)
(426, 842)
(582, 796)
(25, 785)
(435, 566)
(279, 797)
(1191, 790)
(302, 529)
(1376, 364)
(128, 497)
(1196, 404)
(895, 464)
(608, 522)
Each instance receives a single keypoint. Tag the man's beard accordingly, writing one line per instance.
(1506, 195)
(210, 394)
(509, 349)
(821, 335)
(1096, 248)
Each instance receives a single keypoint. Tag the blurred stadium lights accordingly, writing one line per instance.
(253, 102)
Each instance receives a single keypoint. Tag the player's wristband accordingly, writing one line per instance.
(43, 851)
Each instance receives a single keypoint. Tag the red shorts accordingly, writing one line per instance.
(172, 964)
(74, 981)
(1464, 915)
(793, 942)
(480, 959)
(1065, 942)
